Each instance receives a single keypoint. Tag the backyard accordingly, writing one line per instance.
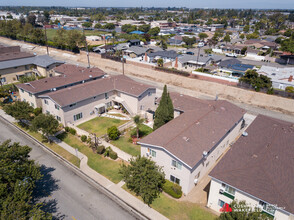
(106, 167)
(99, 125)
(125, 142)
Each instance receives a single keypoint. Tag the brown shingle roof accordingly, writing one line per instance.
(14, 56)
(198, 129)
(68, 78)
(81, 92)
(262, 163)
(69, 69)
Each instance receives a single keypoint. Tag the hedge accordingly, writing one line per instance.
(172, 189)
(100, 149)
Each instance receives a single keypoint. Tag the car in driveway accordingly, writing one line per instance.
(231, 55)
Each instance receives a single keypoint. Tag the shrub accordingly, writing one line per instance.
(106, 152)
(289, 89)
(83, 138)
(72, 131)
(37, 111)
(89, 140)
(100, 149)
(172, 189)
(66, 129)
(113, 155)
(113, 133)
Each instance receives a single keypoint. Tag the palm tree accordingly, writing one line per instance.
(138, 121)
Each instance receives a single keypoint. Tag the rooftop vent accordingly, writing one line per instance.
(204, 154)
(245, 134)
(90, 76)
(186, 139)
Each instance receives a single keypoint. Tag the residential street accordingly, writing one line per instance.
(67, 195)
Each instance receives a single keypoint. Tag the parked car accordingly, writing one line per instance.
(190, 53)
(201, 44)
(231, 55)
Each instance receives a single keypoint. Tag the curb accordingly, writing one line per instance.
(136, 213)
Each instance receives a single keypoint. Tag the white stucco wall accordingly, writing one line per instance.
(31, 99)
(215, 196)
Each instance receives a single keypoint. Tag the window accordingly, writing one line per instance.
(221, 203)
(174, 179)
(177, 164)
(58, 118)
(24, 100)
(106, 96)
(141, 107)
(47, 112)
(149, 93)
(72, 105)
(32, 104)
(30, 94)
(108, 104)
(57, 107)
(267, 207)
(78, 116)
(3, 80)
(26, 67)
(153, 153)
(228, 189)
(46, 102)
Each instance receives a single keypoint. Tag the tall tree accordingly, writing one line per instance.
(31, 18)
(144, 178)
(202, 36)
(227, 38)
(138, 121)
(165, 111)
(18, 175)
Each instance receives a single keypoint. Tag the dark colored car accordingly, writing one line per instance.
(190, 53)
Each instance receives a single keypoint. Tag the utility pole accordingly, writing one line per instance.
(198, 55)
(123, 62)
(86, 48)
(46, 39)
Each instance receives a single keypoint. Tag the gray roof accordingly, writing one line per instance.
(42, 61)
(137, 50)
(165, 53)
(280, 75)
(201, 59)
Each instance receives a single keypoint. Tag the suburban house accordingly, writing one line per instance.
(86, 100)
(15, 64)
(190, 144)
(258, 169)
(192, 62)
(280, 77)
(136, 51)
(176, 40)
(166, 55)
(66, 76)
(135, 42)
(234, 67)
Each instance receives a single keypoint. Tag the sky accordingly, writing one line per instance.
(261, 4)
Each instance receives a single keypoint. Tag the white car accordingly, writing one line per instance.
(231, 55)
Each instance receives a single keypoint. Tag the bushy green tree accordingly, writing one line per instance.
(165, 111)
(144, 178)
(19, 110)
(202, 36)
(18, 175)
(47, 124)
(189, 41)
(109, 26)
(113, 133)
(257, 81)
(154, 31)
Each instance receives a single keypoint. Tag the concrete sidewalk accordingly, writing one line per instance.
(103, 181)
(114, 188)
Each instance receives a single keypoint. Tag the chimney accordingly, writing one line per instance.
(176, 64)
(145, 57)
(290, 78)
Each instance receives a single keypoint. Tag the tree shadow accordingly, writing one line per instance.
(44, 188)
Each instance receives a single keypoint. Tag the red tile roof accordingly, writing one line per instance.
(262, 163)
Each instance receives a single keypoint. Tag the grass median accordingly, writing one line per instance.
(55, 147)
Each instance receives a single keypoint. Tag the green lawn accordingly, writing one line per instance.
(52, 32)
(104, 166)
(99, 125)
(174, 209)
(130, 148)
(55, 147)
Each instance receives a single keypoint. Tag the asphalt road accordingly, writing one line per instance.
(67, 195)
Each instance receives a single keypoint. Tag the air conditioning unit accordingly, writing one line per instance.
(221, 191)
(195, 181)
